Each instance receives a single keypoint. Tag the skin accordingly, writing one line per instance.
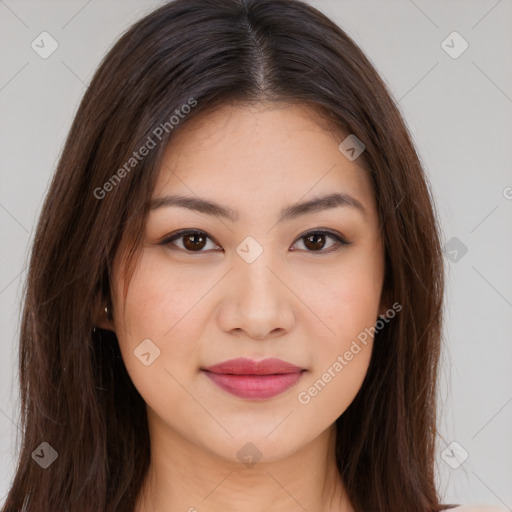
(293, 303)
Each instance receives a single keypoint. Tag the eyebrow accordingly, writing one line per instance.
(290, 212)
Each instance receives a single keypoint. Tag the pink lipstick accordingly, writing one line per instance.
(255, 380)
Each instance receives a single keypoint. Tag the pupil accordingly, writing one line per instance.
(198, 244)
(315, 245)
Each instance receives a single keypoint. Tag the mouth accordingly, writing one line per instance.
(254, 380)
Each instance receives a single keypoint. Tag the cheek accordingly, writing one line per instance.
(340, 359)
(161, 299)
(161, 307)
(348, 304)
(349, 299)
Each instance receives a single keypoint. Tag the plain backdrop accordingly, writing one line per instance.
(459, 111)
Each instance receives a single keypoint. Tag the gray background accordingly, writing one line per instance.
(459, 112)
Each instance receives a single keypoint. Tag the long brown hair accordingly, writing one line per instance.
(75, 392)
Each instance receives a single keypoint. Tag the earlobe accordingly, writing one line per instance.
(102, 315)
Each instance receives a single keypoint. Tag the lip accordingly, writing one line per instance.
(255, 380)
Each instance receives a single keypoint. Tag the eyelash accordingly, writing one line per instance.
(180, 234)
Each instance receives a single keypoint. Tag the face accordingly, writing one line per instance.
(256, 277)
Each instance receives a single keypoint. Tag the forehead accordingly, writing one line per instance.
(246, 156)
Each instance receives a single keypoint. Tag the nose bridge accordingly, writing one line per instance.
(253, 265)
(259, 297)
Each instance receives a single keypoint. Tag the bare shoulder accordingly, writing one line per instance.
(479, 508)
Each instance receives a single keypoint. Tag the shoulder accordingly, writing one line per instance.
(478, 508)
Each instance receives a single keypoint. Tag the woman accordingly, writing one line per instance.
(235, 291)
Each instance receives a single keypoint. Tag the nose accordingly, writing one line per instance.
(257, 300)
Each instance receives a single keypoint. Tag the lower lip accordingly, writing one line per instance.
(255, 386)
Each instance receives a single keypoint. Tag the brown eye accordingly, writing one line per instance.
(194, 241)
(191, 241)
(315, 241)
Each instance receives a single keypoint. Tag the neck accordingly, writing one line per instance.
(187, 477)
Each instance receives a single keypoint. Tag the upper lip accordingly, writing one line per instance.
(244, 366)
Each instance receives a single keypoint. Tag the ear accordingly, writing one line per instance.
(99, 315)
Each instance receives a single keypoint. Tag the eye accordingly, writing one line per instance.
(192, 240)
(314, 241)
(196, 241)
